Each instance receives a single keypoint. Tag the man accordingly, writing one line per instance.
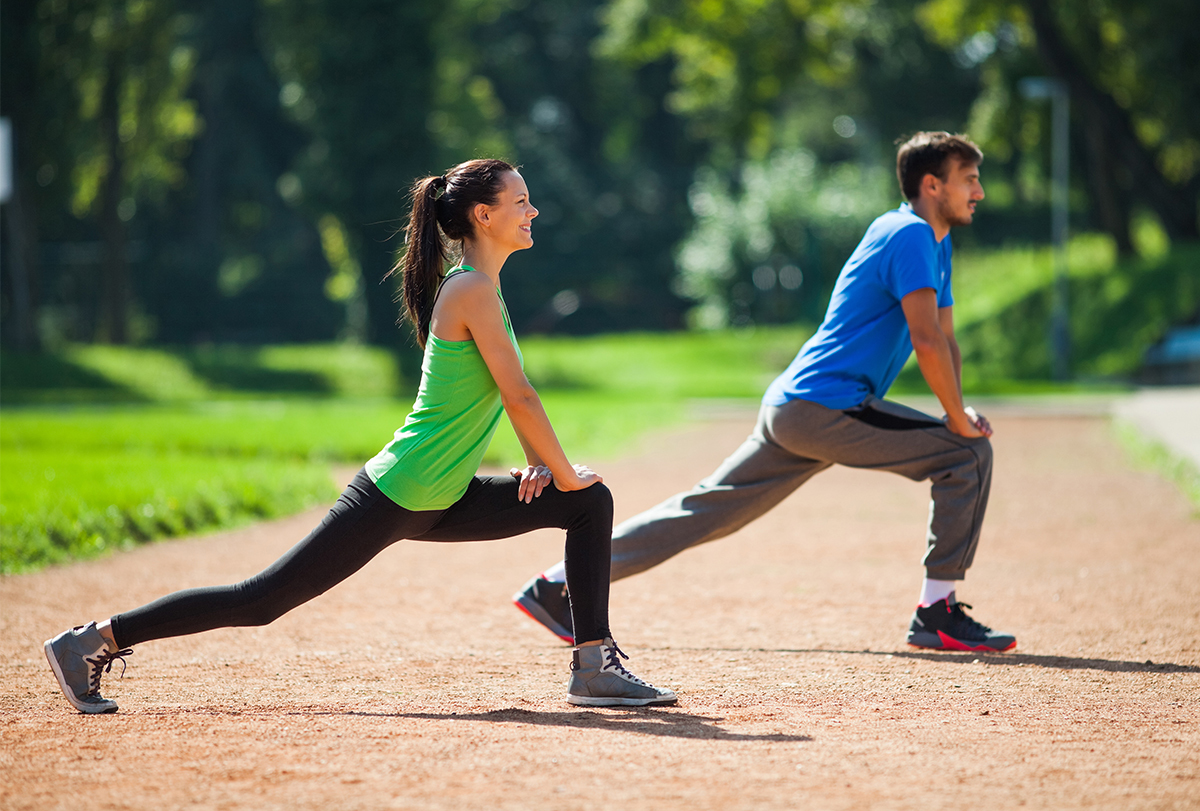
(891, 298)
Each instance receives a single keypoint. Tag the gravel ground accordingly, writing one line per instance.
(416, 684)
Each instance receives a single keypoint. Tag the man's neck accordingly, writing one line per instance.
(927, 210)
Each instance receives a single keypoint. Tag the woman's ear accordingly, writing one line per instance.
(482, 214)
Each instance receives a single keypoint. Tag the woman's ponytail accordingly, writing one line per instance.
(441, 209)
(424, 260)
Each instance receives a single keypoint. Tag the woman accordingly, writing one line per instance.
(422, 485)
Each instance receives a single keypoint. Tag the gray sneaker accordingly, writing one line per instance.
(77, 658)
(598, 679)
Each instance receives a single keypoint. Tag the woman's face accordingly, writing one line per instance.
(508, 221)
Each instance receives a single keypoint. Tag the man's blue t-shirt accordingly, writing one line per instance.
(864, 341)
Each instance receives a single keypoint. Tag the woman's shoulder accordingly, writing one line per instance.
(469, 289)
(466, 281)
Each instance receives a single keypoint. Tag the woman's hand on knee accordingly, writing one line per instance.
(584, 477)
(533, 480)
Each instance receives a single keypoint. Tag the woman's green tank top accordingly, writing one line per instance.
(435, 454)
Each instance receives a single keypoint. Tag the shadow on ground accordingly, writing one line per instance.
(637, 720)
(983, 657)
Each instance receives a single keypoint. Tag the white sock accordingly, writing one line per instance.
(934, 590)
(556, 573)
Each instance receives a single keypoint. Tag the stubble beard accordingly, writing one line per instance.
(954, 218)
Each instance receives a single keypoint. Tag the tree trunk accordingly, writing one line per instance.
(114, 306)
(21, 255)
(1176, 206)
(1111, 201)
(20, 91)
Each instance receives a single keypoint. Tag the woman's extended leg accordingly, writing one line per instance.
(358, 527)
(361, 524)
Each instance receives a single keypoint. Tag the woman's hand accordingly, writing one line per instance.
(534, 479)
(584, 477)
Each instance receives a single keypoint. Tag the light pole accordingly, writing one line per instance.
(1040, 87)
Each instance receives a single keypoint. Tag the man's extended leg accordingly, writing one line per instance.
(758, 475)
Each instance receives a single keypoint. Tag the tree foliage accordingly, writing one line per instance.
(1133, 74)
(238, 171)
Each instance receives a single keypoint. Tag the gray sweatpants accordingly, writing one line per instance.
(793, 442)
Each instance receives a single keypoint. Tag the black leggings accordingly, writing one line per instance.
(363, 523)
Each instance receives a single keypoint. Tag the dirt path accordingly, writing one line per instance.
(417, 685)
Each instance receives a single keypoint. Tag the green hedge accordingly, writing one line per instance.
(62, 504)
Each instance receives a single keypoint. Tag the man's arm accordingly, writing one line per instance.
(946, 322)
(932, 331)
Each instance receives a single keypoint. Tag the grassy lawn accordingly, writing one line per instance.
(153, 443)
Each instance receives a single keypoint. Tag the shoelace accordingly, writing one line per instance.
(614, 663)
(962, 623)
(103, 663)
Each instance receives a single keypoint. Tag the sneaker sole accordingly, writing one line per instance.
(103, 706)
(603, 701)
(941, 641)
(532, 609)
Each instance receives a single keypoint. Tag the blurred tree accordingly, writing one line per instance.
(734, 62)
(123, 71)
(797, 105)
(258, 154)
(24, 105)
(235, 260)
(607, 163)
(1133, 72)
(357, 76)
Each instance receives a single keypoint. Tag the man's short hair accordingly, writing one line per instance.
(928, 153)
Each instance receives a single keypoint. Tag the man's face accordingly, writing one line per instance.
(959, 193)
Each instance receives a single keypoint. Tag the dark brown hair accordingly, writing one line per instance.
(927, 153)
(441, 214)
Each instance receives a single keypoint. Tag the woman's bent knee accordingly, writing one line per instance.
(595, 501)
(598, 496)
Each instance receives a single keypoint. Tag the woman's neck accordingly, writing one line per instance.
(484, 258)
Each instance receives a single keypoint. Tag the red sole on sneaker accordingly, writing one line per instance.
(950, 643)
(568, 639)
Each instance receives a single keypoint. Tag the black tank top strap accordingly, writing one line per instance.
(454, 271)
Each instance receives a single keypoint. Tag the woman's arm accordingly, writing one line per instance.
(472, 301)
(535, 476)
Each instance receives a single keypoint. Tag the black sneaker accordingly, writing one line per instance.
(547, 602)
(945, 626)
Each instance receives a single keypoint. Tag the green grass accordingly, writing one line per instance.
(726, 363)
(292, 428)
(118, 374)
(58, 506)
(1149, 454)
(154, 443)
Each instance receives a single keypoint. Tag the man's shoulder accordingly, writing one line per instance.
(896, 233)
(902, 223)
